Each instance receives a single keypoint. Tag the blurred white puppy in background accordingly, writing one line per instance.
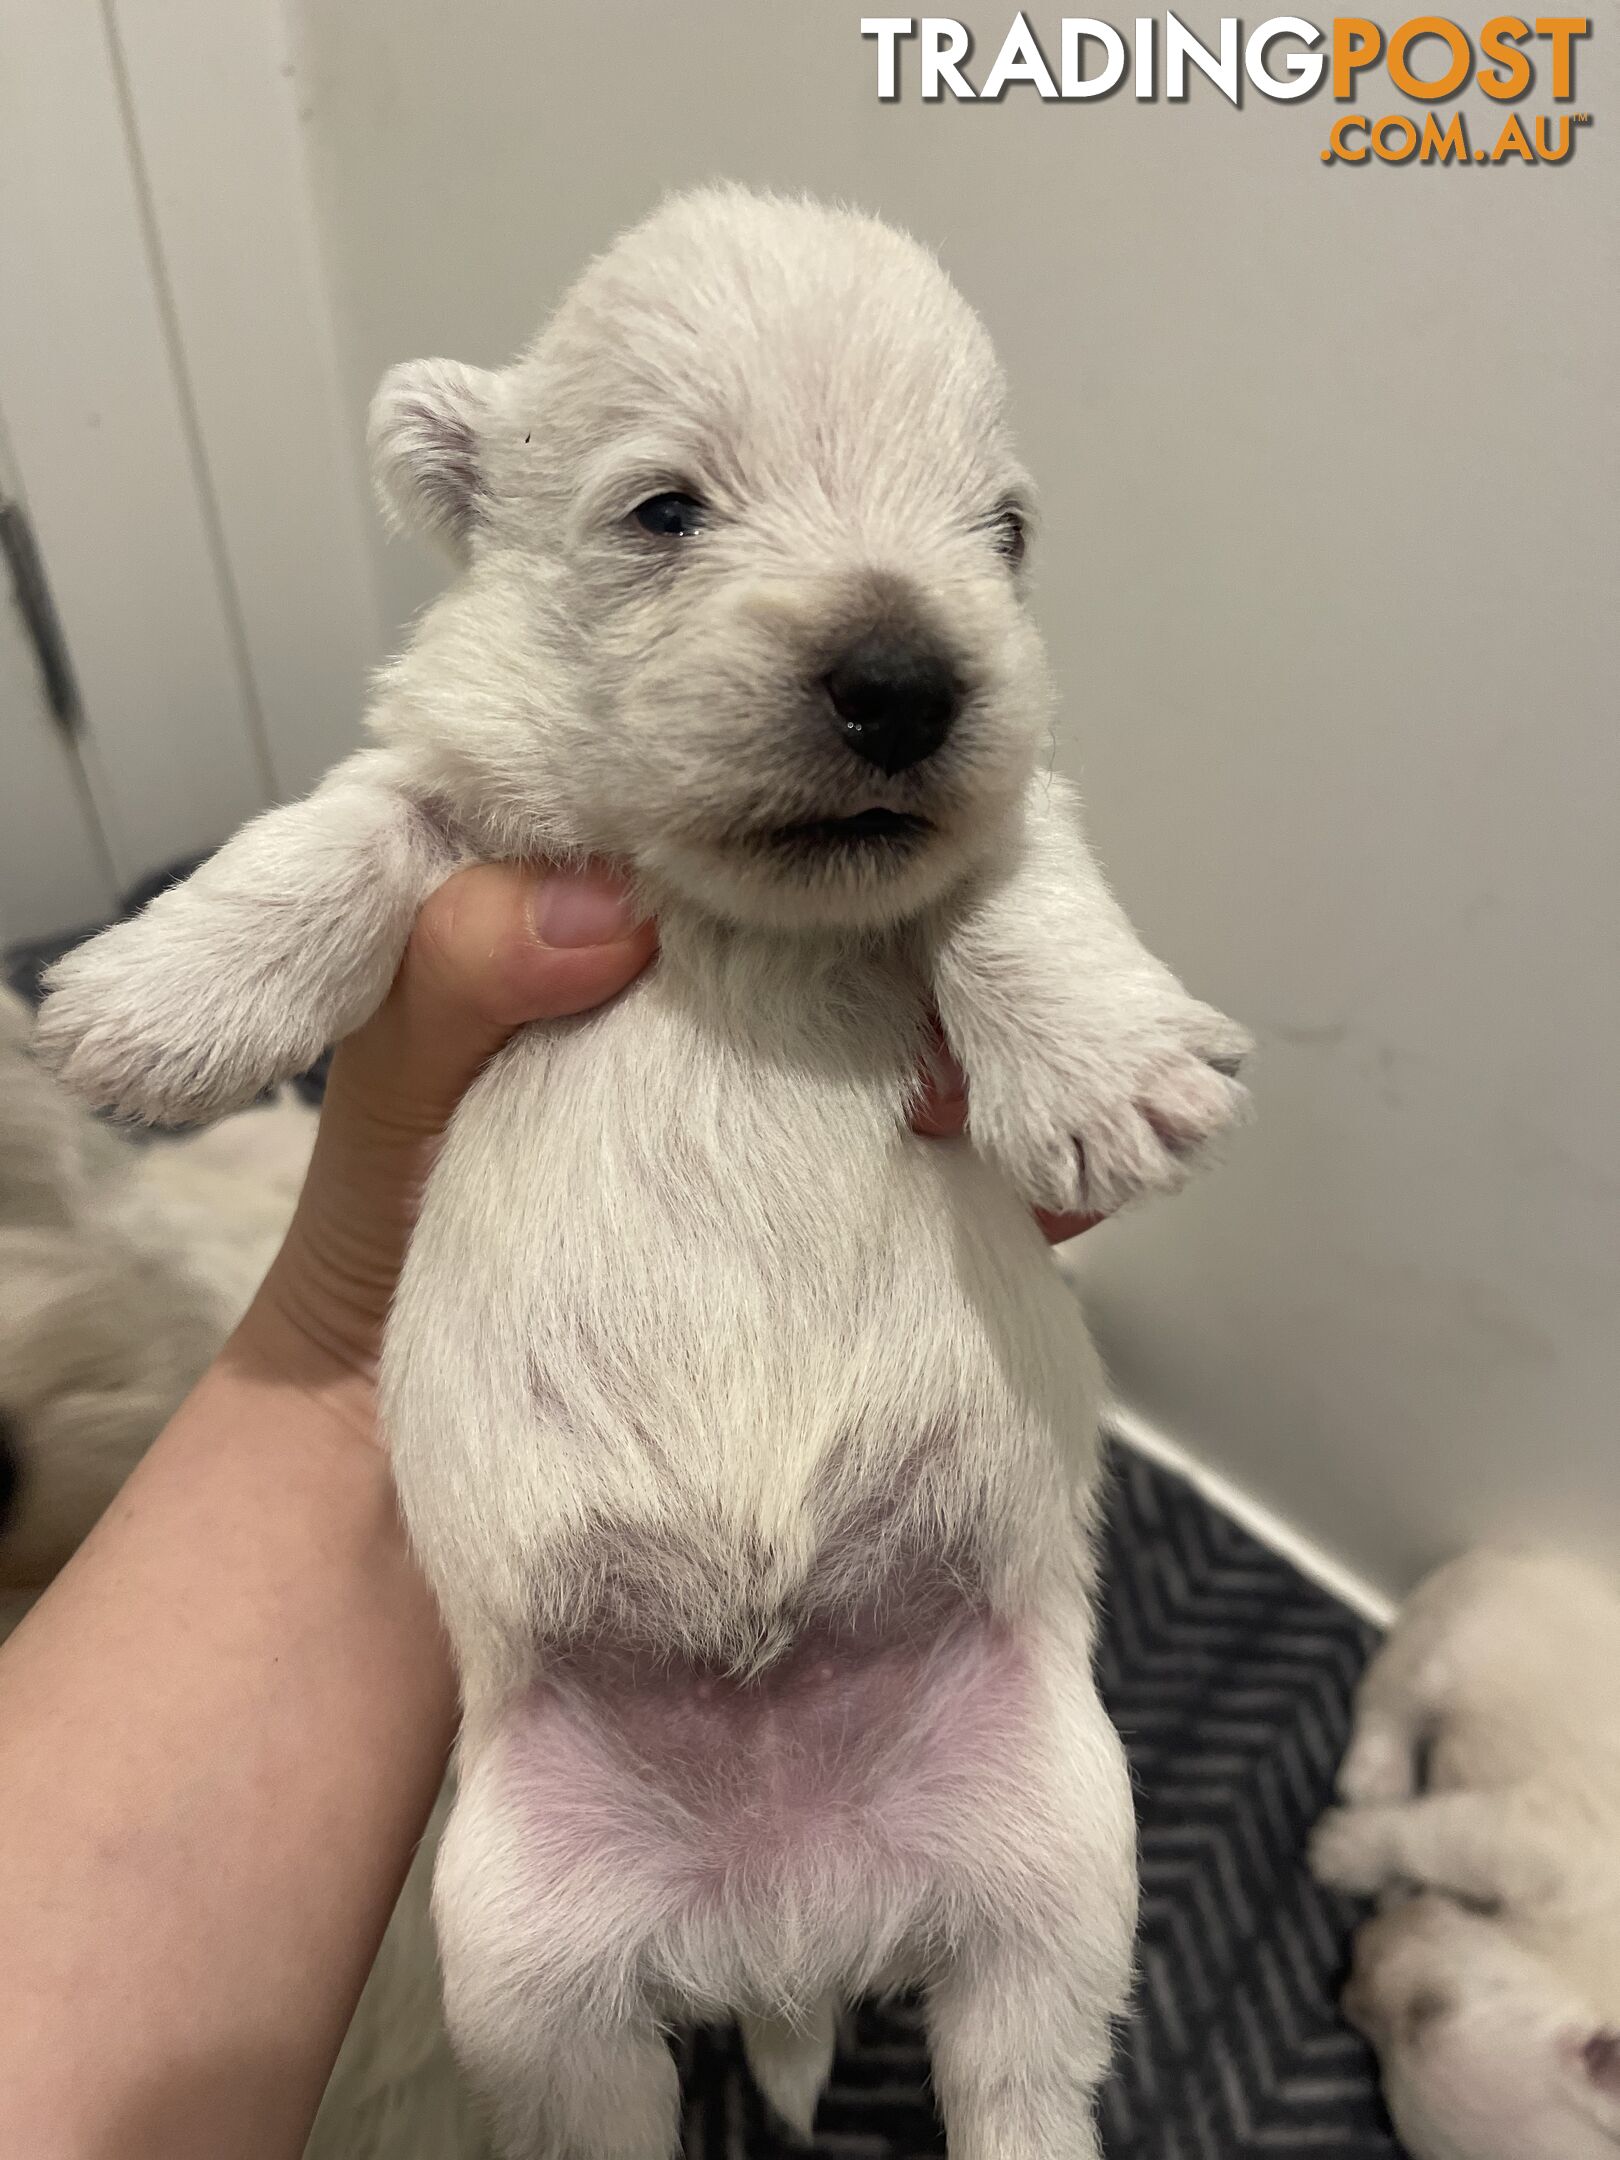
(122, 1270)
(1482, 1807)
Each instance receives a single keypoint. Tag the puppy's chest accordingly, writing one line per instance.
(747, 1108)
(700, 1202)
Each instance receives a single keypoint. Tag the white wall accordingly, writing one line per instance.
(1329, 464)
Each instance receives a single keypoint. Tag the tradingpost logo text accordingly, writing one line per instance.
(1428, 59)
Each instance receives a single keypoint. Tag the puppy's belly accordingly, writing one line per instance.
(851, 1755)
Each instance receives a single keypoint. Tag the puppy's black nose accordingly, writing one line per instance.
(895, 698)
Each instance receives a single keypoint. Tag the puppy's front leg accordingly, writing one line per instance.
(1093, 1076)
(280, 943)
(1488, 1847)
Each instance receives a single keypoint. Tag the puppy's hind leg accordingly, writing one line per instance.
(542, 1907)
(1022, 2011)
(581, 2094)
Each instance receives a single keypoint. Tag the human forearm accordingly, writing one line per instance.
(220, 1735)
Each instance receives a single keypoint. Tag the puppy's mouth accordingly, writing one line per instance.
(863, 833)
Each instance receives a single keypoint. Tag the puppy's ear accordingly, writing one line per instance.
(426, 433)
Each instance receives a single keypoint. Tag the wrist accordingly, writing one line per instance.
(315, 1352)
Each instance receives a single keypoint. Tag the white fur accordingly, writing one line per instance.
(282, 942)
(121, 1271)
(694, 1339)
(1484, 1772)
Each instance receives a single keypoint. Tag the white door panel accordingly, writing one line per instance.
(54, 869)
(103, 437)
(54, 874)
(211, 90)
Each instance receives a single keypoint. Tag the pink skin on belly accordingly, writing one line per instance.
(845, 1750)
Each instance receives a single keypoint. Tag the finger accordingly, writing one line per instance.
(1058, 1229)
(939, 1108)
(496, 946)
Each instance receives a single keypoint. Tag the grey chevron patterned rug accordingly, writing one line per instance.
(1229, 1676)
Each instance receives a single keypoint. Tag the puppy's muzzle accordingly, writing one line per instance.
(894, 697)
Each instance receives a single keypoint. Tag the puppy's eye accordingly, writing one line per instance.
(670, 517)
(1009, 533)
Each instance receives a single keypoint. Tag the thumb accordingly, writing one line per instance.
(496, 946)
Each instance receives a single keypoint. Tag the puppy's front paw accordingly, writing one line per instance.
(1090, 1121)
(168, 1028)
(1347, 1852)
(1378, 1766)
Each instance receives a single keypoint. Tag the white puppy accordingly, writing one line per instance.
(1484, 1772)
(749, 1442)
(121, 1271)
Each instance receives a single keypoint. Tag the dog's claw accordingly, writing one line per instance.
(1085, 1140)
